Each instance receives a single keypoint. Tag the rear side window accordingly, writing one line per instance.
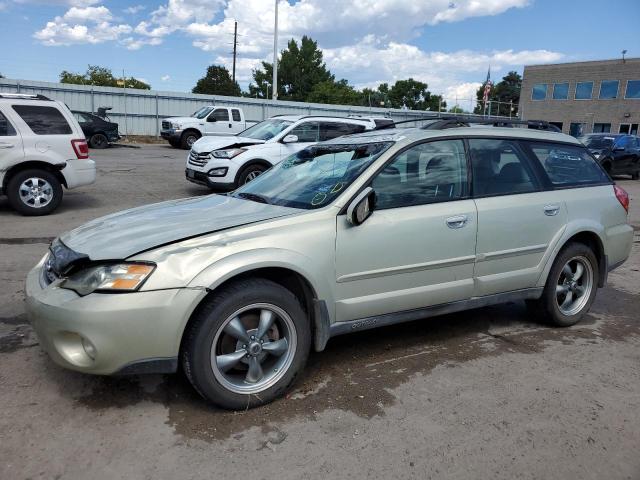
(235, 113)
(6, 129)
(43, 120)
(335, 130)
(568, 165)
(500, 168)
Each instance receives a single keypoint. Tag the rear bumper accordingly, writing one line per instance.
(113, 136)
(79, 172)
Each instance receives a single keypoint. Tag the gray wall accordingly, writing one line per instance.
(139, 111)
(613, 111)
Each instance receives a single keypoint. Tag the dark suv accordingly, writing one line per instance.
(98, 131)
(618, 154)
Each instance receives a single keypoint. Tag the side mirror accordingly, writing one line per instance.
(290, 139)
(361, 207)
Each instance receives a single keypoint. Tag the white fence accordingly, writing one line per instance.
(139, 112)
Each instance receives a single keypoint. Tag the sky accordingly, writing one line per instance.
(448, 44)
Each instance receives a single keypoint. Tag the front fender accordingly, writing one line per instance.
(219, 272)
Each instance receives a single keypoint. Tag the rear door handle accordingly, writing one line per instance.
(551, 210)
(7, 145)
(458, 221)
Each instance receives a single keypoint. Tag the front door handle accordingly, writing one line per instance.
(458, 221)
(7, 145)
(551, 210)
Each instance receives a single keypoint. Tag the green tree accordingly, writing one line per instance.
(300, 69)
(457, 109)
(414, 95)
(217, 81)
(337, 93)
(102, 77)
(507, 92)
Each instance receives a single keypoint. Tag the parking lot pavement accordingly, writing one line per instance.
(483, 394)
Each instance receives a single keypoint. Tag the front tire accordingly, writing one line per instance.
(188, 139)
(98, 141)
(571, 286)
(34, 192)
(247, 345)
(250, 173)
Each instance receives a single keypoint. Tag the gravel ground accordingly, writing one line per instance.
(488, 393)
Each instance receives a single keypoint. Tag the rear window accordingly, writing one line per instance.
(43, 120)
(235, 114)
(568, 165)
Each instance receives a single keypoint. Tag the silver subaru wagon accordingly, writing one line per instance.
(355, 233)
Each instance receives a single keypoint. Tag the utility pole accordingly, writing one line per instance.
(124, 87)
(235, 45)
(274, 87)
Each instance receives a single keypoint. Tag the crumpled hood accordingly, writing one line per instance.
(211, 143)
(120, 235)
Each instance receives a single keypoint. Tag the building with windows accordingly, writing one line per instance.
(584, 97)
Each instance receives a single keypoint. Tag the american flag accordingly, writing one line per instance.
(487, 86)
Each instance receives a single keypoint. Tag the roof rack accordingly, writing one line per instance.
(456, 121)
(23, 96)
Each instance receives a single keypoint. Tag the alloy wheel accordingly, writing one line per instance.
(574, 285)
(35, 192)
(253, 348)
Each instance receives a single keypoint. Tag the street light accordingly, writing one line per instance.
(274, 90)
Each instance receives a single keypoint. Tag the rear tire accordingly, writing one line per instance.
(98, 141)
(34, 192)
(571, 287)
(635, 176)
(188, 139)
(227, 357)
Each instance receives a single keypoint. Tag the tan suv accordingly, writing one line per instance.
(362, 231)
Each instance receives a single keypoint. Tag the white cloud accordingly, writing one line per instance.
(134, 9)
(3, 6)
(86, 14)
(165, 78)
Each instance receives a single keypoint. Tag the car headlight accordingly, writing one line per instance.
(597, 155)
(118, 277)
(176, 126)
(228, 153)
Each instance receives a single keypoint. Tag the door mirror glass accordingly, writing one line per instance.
(361, 207)
(290, 139)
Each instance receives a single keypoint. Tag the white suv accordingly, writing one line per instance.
(224, 163)
(42, 148)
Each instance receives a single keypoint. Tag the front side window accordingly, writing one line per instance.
(307, 132)
(6, 129)
(313, 177)
(568, 165)
(561, 91)
(43, 120)
(265, 130)
(539, 91)
(622, 142)
(584, 90)
(500, 168)
(219, 115)
(425, 173)
(608, 89)
(633, 89)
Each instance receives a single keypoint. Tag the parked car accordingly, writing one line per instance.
(98, 131)
(183, 132)
(358, 232)
(618, 154)
(227, 162)
(42, 149)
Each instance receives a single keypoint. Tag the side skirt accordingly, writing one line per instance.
(341, 328)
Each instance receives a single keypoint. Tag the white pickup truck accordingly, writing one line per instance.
(182, 132)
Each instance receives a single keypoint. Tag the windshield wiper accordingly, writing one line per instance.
(253, 197)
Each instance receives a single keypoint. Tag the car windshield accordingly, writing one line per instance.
(313, 177)
(597, 141)
(265, 130)
(203, 112)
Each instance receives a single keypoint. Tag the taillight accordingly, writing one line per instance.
(81, 148)
(622, 196)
